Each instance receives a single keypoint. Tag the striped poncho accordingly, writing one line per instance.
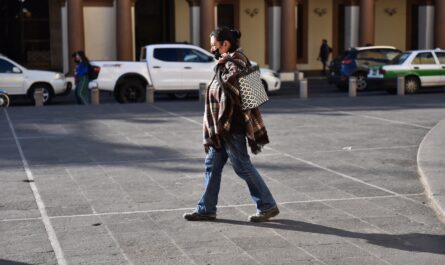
(221, 96)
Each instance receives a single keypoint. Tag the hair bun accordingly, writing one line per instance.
(236, 33)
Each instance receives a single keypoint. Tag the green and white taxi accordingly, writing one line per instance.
(421, 68)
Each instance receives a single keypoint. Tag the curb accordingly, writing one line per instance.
(425, 179)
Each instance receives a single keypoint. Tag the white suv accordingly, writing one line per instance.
(17, 80)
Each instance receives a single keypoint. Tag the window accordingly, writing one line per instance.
(168, 54)
(441, 57)
(424, 58)
(391, 54)
(192, 55)
(401, 58)
(371, 54)
(5, 67)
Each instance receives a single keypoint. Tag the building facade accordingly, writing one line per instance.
(284, 35)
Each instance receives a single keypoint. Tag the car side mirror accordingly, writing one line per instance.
(210, 58)
(16, 70)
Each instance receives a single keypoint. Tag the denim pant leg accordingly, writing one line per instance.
(237, 150)
(214, 163)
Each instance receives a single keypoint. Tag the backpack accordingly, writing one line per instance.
(92, 73)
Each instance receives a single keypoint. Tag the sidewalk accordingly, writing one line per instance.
(111, 183)
(431, 162)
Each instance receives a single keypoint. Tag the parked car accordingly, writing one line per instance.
(176, 69)
(17, 80)
(357, 62)
(421, 68)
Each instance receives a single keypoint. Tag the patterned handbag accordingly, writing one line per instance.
(252, 92)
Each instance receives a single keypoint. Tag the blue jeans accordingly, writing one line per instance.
(234, 148)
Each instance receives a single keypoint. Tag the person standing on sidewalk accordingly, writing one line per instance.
(226, 128)
(82, 91)
(323, 55)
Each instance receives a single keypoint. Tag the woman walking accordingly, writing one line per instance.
(226, 128)
(81, 75)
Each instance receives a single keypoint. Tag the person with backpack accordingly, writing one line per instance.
(83, 69)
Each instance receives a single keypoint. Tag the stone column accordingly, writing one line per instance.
(76, 35)
(426, 26)
(440, 24)
(367, 16)
(351, 26)
(194, 22)
(274, 33)
(207, 21)
(288, 40)
(124, 30)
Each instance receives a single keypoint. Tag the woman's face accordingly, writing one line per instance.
(218, 46)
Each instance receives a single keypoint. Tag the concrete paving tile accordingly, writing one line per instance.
(253, 242)
(19, 214)
(366, 260)
(361, 208)
(196, 241)
(397, 225)
(413, 258)
(288, 256)
(147, 244)
(27, 258)
(96, 259)
(162, 260)
(329, 252)
(223, 259)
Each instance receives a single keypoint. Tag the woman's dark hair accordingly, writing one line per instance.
(82, 56)
(232, 36)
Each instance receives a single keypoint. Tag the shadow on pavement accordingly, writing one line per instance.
(9, 262)
(416, 242)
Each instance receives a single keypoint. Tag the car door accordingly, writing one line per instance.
(166, 68)
(11, 78)
(427, 68)
(198, 68)
(441, 58)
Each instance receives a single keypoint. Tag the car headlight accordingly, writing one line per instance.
(60, 76)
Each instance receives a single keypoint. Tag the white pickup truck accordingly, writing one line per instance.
(177, 69)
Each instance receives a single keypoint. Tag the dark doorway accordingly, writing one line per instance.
(154, 23)
(338, 44)
(302, 29)
(228, 14)
(412, 24)
(25, 32)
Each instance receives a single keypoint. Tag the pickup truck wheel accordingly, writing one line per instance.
(131, 91)
(47, 92)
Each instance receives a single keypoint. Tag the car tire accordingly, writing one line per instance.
(362, 82)
(4, 100)
(47, 92)
(131, 91)
(412, 85)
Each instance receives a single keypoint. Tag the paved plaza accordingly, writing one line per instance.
(108, 185)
